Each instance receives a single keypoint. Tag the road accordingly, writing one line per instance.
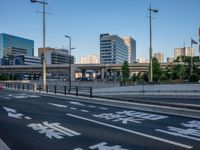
(35, 122)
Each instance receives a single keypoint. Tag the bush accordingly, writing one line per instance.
(163, 77)
(193, 78)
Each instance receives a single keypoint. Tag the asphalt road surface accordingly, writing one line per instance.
(33, 122)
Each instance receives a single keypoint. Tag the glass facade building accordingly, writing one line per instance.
(14, 45)
(113, 49)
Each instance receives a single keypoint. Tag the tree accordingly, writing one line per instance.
(156, 69)
(125, 71)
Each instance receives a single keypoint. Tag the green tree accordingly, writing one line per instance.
(4, 76)
(125, 71)
(156, 69)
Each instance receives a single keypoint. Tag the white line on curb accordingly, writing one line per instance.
(134, 132)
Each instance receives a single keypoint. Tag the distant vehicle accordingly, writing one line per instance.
(84, 79)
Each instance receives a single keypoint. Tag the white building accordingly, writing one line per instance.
(142, 60)
(186, 51)
(115, 50)
(159, 56)
(89, 59)
(131, 44)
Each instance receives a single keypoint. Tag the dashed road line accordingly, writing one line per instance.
(103, 108)
(73, 108)
(91, 106)
(84, 110)
(134, 132)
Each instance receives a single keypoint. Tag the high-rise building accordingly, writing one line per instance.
(186, 51)
(89, 59)
(14, 45)
(113, 49)
(159, 56)
(131, 44)
(56, 56)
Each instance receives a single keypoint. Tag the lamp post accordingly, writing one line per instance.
(150, 48)
(44, 40)
(70, 62)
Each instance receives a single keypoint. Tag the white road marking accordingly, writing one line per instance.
(28, 118)
(91, 106)
(18, 116)
(103, 108)
(76, 103)
(84, 110)
(134, 132)
(58, 105)
(53, 130)
(73, 108)
(3, 145)
(57, 127)
(10, 109)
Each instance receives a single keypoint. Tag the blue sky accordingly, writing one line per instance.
(84, 20)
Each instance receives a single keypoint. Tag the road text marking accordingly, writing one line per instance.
(134, 132)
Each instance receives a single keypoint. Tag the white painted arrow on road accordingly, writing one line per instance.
(10, 109)
(13, 113)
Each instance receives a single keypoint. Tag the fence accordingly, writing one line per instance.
(73, 90)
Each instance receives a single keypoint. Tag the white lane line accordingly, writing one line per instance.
(3, 146)
(91, 106)
(57, 105)
(73, 108)
(84, 110)
(134, 132)
(103, 108)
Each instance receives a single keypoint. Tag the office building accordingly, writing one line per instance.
(113, 49)
(20, 60)
(186, 51)
(131, 44)
(89, 59)
(159, 56)
(170, 60)
(142, 60)
(56, 56)
(14, 45)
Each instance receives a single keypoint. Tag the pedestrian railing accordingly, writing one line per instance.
(56, 89)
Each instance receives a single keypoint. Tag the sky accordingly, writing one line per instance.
(84, 20)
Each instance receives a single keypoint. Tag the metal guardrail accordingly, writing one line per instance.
(74, 90)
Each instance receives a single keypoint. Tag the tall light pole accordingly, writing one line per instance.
(70, 62)
(150, 48)
(44, 40)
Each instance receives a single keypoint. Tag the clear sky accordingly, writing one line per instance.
(84, 20)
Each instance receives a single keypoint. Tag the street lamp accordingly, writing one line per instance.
(150, 48)
(44, 40)
(70, 61)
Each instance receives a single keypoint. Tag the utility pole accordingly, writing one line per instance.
(44, 40)
(150, 48)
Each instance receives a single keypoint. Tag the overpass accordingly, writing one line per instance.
(76, 68)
